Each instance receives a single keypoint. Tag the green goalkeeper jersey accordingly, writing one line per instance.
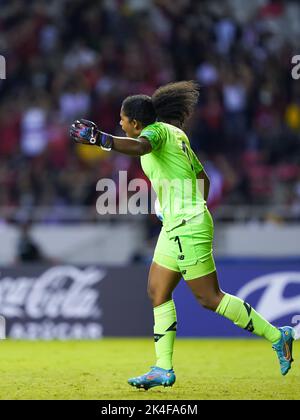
(172, 168)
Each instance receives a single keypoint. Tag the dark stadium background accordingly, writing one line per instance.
(70, 59)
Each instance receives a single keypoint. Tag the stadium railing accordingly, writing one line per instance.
(84, 214)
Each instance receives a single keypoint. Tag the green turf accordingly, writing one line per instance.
(205, 369)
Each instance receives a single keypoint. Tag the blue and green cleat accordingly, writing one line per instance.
(284, 349)
(156, 377)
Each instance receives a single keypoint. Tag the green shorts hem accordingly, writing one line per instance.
(191, 272)
(199, 275)
(166, 262)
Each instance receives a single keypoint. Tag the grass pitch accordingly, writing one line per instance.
(205, 369)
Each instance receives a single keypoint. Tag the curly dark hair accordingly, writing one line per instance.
(171, 103)
(175, 101)
(140, 108)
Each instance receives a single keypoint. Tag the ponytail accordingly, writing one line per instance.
(175, 101)
(172, 103)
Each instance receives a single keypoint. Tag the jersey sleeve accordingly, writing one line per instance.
(196, 163)
(154, 135)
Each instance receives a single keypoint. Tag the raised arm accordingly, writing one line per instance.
(131, 147)
(86, 132)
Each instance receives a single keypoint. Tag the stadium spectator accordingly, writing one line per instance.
(59, 71)
(28, 251)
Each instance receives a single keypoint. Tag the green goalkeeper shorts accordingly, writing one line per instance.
(187, 249)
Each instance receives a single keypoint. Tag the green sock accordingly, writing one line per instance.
(164, 333)
(244, 316)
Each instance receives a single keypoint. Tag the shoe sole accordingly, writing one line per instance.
(146, 387)
(291, 355)
(290, 367)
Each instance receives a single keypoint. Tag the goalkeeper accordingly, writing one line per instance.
(154, 128)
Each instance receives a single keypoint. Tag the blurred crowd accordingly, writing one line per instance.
(68, 59)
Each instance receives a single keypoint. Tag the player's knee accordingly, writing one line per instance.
(156, 297)
(209, 302)
(151, 293)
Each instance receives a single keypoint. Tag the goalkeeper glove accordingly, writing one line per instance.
(86, 132)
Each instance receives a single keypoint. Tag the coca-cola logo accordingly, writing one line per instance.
(65, 291)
